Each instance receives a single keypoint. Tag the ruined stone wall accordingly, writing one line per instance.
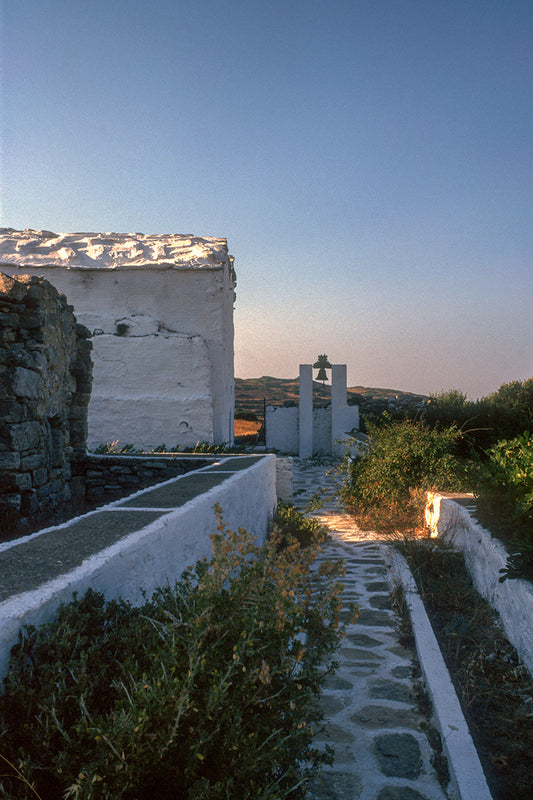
(108, 478)
(45, 387)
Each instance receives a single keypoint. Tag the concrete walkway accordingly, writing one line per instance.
(378, 733)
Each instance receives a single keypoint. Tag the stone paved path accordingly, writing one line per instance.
(373, 722)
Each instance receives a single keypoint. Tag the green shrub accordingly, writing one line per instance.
(290, 526)
(403, 461)
(509, 470)
(205, 692)
(505, 488)
(503, 414)
(449, 407)
(509, 411)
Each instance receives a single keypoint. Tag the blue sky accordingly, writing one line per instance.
(370, 164)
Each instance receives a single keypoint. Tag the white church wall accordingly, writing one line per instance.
(159, 291)
(179, 411)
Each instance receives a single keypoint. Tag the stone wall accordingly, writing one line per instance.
(45, 386)
(107, 478)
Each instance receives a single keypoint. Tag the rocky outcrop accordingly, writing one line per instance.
(45, 386)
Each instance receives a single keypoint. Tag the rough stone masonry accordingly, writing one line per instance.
(45, 387)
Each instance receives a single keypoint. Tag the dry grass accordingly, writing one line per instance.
(245, 427)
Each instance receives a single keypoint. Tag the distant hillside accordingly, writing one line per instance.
(251, 394)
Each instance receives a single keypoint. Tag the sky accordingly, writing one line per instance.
(369, 162)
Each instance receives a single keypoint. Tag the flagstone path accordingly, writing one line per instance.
(373, 721)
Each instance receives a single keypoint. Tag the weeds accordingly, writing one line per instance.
(14, 772)
(403, 619)
(116, 448)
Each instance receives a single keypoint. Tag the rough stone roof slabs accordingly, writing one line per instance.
(114, 251)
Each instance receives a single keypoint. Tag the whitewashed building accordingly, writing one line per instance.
(160, 309)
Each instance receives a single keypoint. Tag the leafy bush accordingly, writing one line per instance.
(206, 692)
(509, 411)
(510, 469)
(404, 460)
(505, 488)
(290, 526)
(449, 407)
(503, 414)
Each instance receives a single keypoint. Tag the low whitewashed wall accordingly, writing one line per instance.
(484, 558)
(151, 557)
(281, 426)
(341, 439)
(282, 430)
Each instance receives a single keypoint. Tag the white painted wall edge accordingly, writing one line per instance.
(466, 774)
(154, 556)
(484, 558)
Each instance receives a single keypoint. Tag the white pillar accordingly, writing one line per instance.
(339, 407)
(306, 411)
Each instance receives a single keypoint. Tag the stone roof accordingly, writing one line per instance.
(31, 248)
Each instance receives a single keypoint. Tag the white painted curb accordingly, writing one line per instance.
(484, 558)
(466, 774)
